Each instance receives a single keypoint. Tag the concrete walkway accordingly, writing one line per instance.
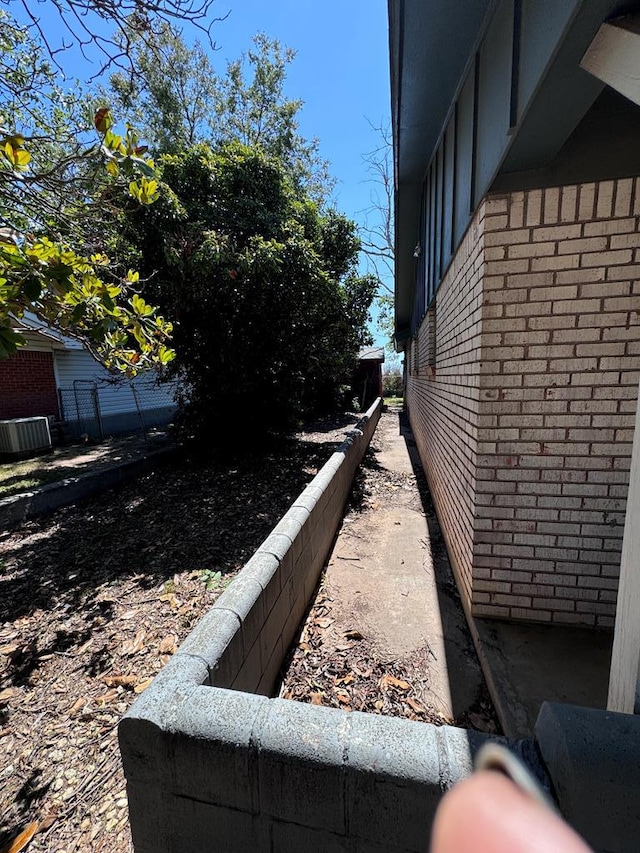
(390, 579)
(528, 664)
(390, 574)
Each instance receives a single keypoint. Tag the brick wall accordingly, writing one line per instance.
(556, 378)
(28, 385)
(443, 402)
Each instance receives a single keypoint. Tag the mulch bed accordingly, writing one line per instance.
(93, 602)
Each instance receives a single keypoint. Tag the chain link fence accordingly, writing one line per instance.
(98, 409)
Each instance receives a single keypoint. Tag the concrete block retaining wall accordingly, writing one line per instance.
(16, 509)
(213, 764)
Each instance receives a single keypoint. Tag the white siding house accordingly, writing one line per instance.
(94, 401)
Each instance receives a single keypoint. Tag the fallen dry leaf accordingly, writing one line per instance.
(8, 650)
(169, 645)
(316, 698)
(391, 681)
(415, 705)
(109, 696)
(129, 614)
(119, 680)
(132, 647)
(78, 705)
(140, 688)
(353, 635)
(7, 693)
(47, 821)
(21, 840)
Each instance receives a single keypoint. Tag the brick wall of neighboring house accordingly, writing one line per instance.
(558, 372)
(28, 385)
(443, 408)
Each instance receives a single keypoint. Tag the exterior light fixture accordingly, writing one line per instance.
(418, 250)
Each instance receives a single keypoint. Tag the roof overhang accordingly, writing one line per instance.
(34, 330)
(432, 44)
(372, 355)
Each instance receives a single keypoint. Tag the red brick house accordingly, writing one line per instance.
(28, 386)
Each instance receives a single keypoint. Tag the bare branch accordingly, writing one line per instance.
(131, 20)
(378, 241)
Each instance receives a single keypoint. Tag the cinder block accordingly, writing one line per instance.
(306, 501)
(250, 673)
(158, 705)
(291, 838)
(216, 640)
(288, 526)
(334, 463)
(302, 779)
(280, 626)
(265, 568)
(144, 753)
(397, 772)
(593, 760)
(277, 544)
(203, 827)
(244, 598)
(149, 817)
(211, 758)
(270, 679)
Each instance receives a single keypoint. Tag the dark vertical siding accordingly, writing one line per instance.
(464, 158)
(494, 98)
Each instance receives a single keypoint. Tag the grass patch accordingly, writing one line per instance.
(393, 401)
(17, 477)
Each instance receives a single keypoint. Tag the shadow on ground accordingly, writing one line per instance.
(194, 513)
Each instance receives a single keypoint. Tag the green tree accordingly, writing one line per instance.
(178, 100)
(270, 311)
(252, 108)
(173, 95)
(58, 205)
(58, 190)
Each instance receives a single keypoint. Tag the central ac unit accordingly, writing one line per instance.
(23, 435)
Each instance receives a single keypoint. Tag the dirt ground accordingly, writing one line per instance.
(93, 601)
(387, 632)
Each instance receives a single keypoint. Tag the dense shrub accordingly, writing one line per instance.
(269, 309)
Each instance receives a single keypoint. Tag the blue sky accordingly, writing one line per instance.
(341, 72)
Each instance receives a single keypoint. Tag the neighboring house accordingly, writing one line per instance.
(56, 376)
(367, 382)
(518, 290)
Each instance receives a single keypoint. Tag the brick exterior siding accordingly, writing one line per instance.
(28, 385)
(444, 407)
(535, 514)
